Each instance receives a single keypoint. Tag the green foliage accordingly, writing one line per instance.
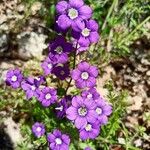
(121, 23)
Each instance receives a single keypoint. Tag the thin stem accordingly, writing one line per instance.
(74, 64)
(139, 26)
(109, 13)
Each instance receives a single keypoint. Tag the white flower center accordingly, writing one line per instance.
(14, 78)
(49, 66)
(88, 127)
(72, 13)
(99, 111)
(59, 49)
(48, 96)
(85, 75)
(89, 96)
(33, 88)
(85, 32)
(82, 111)
(58, 141)
(38, 129)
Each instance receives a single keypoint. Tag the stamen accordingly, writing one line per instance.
(72, 13)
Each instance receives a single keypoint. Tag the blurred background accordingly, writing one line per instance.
(122, 55)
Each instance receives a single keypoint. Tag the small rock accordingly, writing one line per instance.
(36, 7)
(121, 141)
(21, 8)
(12, 129)
(148, 73)
(137, 103)
(3, 43)
(138, 142)
(3, 19)
(31, 45)
(145, 61)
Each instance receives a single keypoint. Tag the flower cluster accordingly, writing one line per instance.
(56, 140)
(88, 111)
(88, 114)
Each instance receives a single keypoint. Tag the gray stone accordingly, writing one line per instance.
(12, 130)
(3, 19)
(31, 45)
(3, 43)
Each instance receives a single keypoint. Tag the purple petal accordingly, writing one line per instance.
(92, 25)
(91, 82)
(83, 66)
(51, 138)
(94, 71)
(85, 42)
(92, 116)
(52, 145)
(75, 74)
(94, 37)
(94, 133)
(80, 122)
(85, 12)
(16, 85)
(68, 47)
(75, 35)
(25, 86)
(66, 139)
(29, 94)
(103, 119)
(77, 101)
(90, 104)
(74, 102)
(78, 25)
(80, 83)
(63, 22)
(64, 147)
(83, 135)
(107, 110)
(76, 3)
(46, 103)
(71, 113)
(57, 133)
(61, 7)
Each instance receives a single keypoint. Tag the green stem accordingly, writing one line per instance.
(139, 26)
(109, 13)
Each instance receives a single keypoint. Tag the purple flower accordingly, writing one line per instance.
(58, 141)
(86, 33)
(85, 75)
(14, 78)
(81, 112)
(72, 13)
(59, 50)
(90, 94)
(103, 110)
(38, 129)
(62, 72)
(62, 106)
(47, 96)
(47, 66)
(29, 87)
(90, 131)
